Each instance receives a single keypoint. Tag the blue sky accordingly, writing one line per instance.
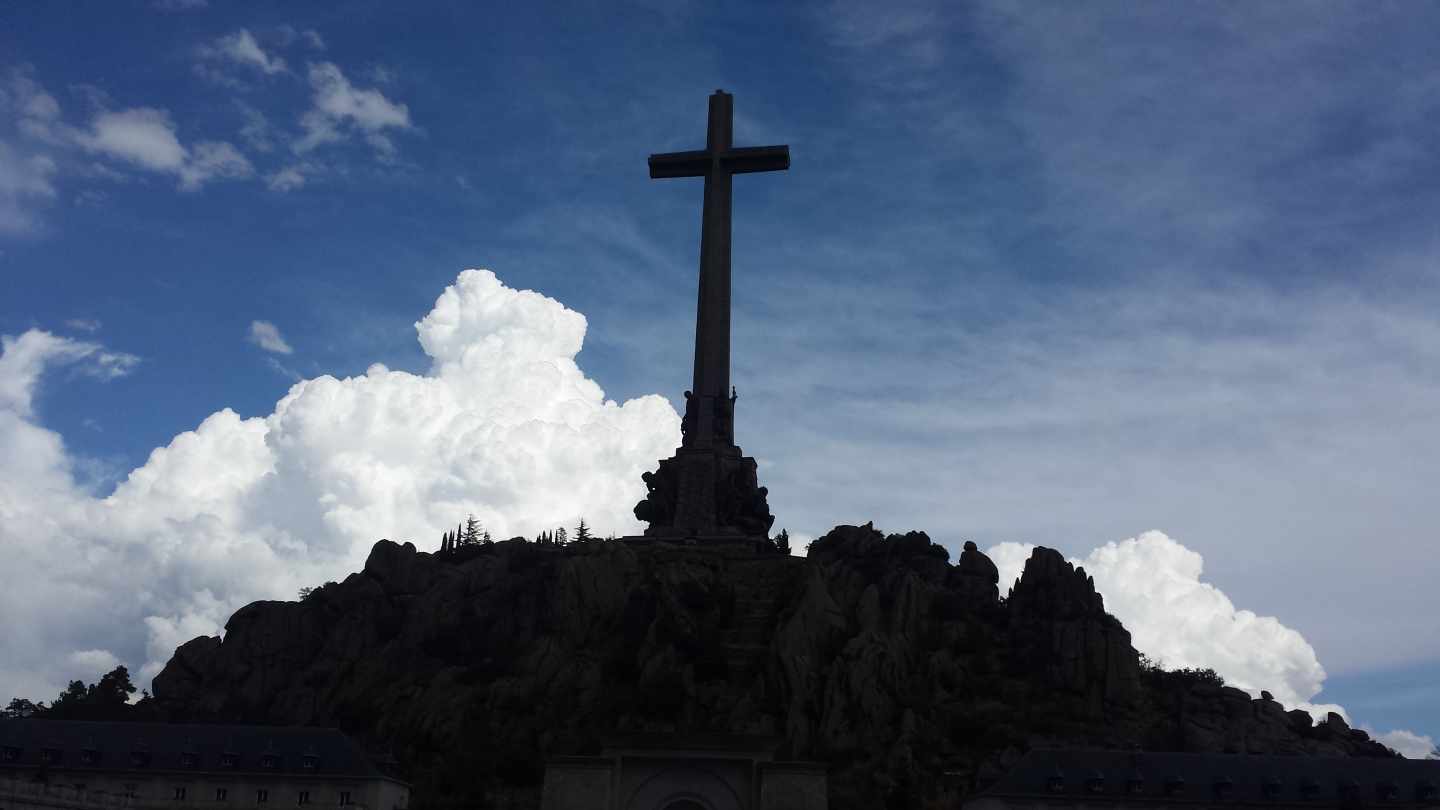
(1039, 273)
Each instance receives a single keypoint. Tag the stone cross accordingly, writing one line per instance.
(710, 393)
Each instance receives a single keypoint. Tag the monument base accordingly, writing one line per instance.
(706, 492)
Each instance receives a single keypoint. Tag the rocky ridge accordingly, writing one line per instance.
(911, 677)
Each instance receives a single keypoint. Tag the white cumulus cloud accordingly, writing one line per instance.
(504, 425)
(267, 336)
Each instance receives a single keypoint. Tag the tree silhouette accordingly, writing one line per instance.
(560, 536)
(20, 708)
(472, 534)
(70, 702)
(114, 688)
(108, 699)
(582, 532)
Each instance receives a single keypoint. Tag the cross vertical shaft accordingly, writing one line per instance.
(712, 308)
(708, 409)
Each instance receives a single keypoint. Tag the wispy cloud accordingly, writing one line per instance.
(24, 358)
(340, 107)
(146, 137)
(27, 171)
(285, 179)
(267, 336)
(241, 48)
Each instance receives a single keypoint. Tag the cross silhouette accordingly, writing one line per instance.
(717, 162)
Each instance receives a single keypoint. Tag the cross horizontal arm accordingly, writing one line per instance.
(680, 164)
(756, 159)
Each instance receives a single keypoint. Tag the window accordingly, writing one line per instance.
(229, 759)
(304, 797)
(344, 798)
(270, 761)
(262, 796)
(90, 756)
(221, 794)
(129, 791)
(139, 759)
(310, 762)
(179, 793)
(1174, 786)
(50, 756)
(12, 753)
(189, 759)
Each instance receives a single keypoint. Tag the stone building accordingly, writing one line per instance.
(1056, 779)
(78, 765)
(695, 772)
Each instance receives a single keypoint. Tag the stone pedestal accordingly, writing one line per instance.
(705, 493)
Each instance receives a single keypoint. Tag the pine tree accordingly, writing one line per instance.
(472, 532)
(582, 532)
(782, 542)
(485, 538)
(560, 536)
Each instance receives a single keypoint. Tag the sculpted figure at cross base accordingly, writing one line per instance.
(709, 488)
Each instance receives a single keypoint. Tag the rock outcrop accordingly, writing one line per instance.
(910, 676)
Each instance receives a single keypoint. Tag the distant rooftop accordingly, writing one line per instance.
(33, 743)
(1087, 776)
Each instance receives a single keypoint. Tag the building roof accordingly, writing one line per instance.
(34, 743)
(1071, 775)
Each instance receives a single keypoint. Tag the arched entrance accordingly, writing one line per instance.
(687, 787)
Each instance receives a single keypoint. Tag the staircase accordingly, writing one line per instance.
(757, 605)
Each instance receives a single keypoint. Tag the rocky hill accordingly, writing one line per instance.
(909, 675)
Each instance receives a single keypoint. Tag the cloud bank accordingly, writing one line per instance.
(1412, 745)
(1152, 584)
(504, 424)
